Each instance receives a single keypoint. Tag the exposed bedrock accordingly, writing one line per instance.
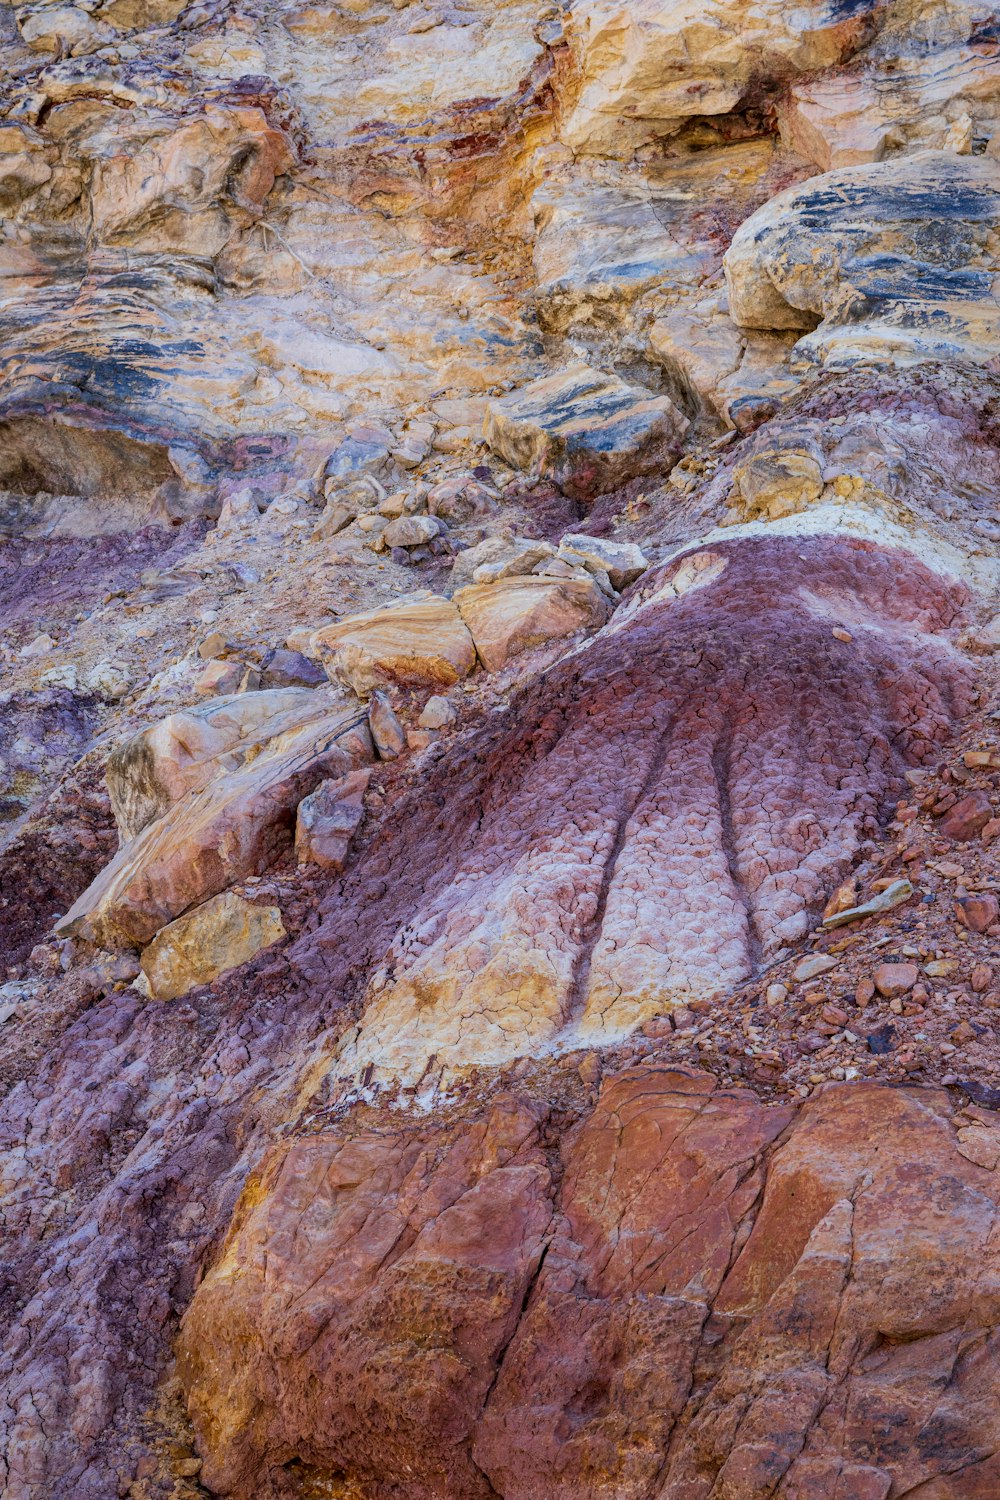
(498, 523)
(119, 386)
(891, 261)
(672, 801)
(694, 1296)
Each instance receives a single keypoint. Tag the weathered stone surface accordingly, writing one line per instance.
(497, 557)
(216, 834)
(327, 820)
(779, 482)
(422, 1248)
(698, 350)
(904, 98)
(623, 562)
(516, 613)
(213, 938)
(828, 1280)
(187, 750)
(647, 67)
(968, 817)
(682, 849)
(419, 640)
(587, 431)
(258, 261)
(886, 261)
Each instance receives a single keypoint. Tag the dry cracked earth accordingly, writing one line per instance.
(499, 750)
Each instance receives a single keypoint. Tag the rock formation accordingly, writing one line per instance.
(499, 817)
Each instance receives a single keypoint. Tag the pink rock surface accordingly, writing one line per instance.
(674, 801)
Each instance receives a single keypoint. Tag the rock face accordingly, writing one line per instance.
(645, 69)
(732, 1295)
(863, 254)
(587, 431)
(499, 750)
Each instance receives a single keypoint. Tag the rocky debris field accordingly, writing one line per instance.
(499, 750)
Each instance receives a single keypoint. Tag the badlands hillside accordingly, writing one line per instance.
(500, 749)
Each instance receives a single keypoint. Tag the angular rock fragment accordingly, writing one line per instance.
(623, 562)
(967, 817)
(517, 613)
(386, 730)
(412, 531)
(419, 640)
(235, 825)
(281, 669)
(893, 896)
(437, 713)
(213, 938)
(895, 979)
(328, 819)
(587, 431)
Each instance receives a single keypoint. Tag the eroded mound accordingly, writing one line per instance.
(670, 804)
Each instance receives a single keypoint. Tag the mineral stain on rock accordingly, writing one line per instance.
(499, 822)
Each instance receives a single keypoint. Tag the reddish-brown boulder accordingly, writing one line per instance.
(968, 817)
(893, 980)
(735, 1301)
(368, 1289)
(977, 912)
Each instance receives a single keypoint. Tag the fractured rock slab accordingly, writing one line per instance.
(587, 431)
(517, 613)
(217, 936)
(418, 641)
(187, 750)
(210, 838)
(622, 562)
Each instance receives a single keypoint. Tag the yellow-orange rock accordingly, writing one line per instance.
(516, 613)
(213, 938)
(418, 641)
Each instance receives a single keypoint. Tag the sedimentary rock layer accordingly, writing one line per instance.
(673, 801)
